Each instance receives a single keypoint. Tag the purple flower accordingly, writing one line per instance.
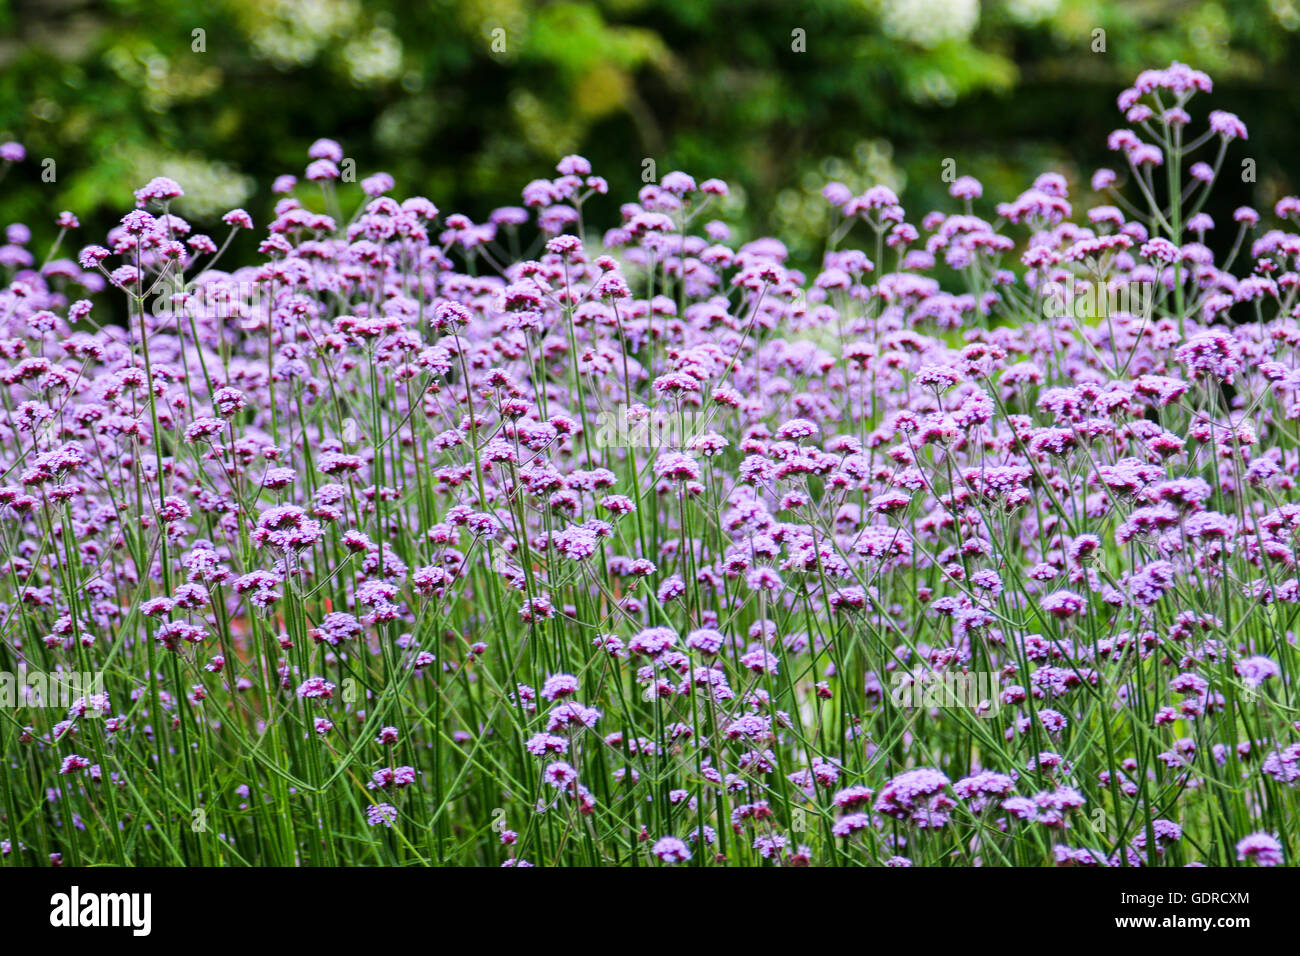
(316, 688)
(671, 850)
(1260, 848)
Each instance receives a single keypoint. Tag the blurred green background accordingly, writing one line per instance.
(871, 90)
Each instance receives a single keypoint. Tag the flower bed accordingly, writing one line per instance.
(395, 547)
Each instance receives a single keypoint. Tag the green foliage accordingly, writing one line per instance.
(462, 99)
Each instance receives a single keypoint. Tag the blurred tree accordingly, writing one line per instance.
(467, 100)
